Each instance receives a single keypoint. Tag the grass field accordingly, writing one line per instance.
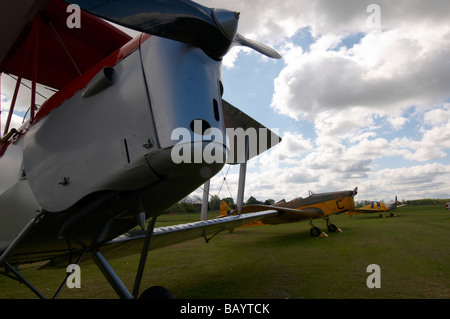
(284, 261)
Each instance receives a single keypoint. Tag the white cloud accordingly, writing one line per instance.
(386, 72)
(294, 145)
(438, 115)
(404, 63)
(430, 147)
(421, 181)
(334, 126)
(397, 122)
(265, 20)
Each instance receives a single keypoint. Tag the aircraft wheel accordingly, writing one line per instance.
(315, 231)
(156, 292)
(332, 228)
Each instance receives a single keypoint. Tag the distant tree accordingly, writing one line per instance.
(186, 205)
(214, 202)
(187, 199)
(252, 200)
(230, 202)
(196, 199)
(269, 202)
(362, 203)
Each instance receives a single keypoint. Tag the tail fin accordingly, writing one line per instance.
(225, 210)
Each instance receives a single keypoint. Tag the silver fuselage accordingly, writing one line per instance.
(117, 141)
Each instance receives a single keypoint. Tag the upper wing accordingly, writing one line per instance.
(131, 242)
(234, 119)
(63, 52)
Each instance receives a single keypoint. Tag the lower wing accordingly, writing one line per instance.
(131, 242)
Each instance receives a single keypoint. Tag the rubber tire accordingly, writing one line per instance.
(156, 292)
(315, 231)
(332, 228)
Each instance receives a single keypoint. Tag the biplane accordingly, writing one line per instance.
(377, 207)
(314, 206)
(95, 160)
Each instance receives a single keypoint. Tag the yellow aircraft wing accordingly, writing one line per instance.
(285, 215)
(381, 208)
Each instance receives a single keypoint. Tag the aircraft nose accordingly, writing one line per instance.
(204, 158)
(199, 126)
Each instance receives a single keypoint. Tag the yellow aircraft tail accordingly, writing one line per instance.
(225, 210)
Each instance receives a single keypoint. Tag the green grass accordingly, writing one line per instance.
(284, 261)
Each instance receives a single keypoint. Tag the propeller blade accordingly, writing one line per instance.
(212, 30)
(257, 46)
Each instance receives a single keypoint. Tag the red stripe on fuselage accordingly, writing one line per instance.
(77, 84)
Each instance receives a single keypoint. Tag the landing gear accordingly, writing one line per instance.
(332, 228)
(155, 292)
(316, 232)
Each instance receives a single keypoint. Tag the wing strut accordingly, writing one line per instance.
(204, 215)
(144, 253)
(22, 279)
(113, 278)
(110, 275)
(32, 41)
(20, 237)
(67, 275)
(242, 173)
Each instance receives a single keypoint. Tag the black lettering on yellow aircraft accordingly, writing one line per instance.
(337, 204)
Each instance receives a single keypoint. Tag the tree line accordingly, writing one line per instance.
(415, 202)
(193, 204)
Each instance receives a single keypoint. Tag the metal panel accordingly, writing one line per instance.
(92, 144)
(17, 202)
(183, 82)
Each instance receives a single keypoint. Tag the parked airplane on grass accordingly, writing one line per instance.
(312, 207)
(96, 159)
(376, 207)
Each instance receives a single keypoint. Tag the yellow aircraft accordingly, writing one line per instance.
(299, 209)
(376, 207)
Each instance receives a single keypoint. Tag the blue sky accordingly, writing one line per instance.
(357, 104)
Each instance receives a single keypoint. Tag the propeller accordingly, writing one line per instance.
(212, 30)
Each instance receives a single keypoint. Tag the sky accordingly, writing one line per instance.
(361, 97)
